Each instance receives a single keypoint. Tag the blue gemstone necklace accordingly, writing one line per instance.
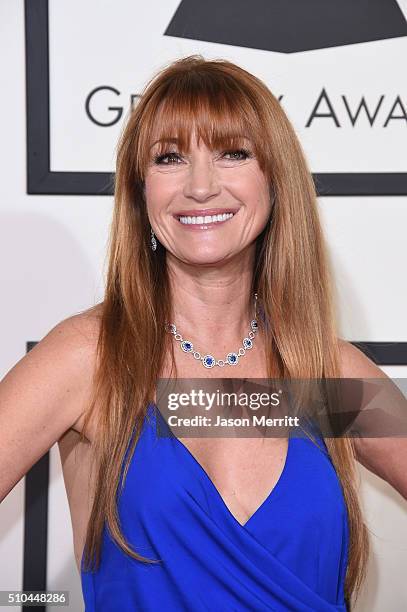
(209, 361)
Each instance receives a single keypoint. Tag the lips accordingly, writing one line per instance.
(202, 212)
(203, 225)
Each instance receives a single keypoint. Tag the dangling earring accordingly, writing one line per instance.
(153, 240)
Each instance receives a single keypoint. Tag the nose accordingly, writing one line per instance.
(202, 181)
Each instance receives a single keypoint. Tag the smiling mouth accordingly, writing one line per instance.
(202, 220)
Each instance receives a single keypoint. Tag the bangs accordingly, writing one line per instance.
(214, 107)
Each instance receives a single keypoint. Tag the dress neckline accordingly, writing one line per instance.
(204, 474)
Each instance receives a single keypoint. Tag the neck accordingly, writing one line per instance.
(212, 306)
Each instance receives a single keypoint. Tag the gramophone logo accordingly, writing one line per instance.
(283, 26)
(288, 26)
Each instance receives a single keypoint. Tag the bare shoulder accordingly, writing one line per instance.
(45, 393)
(72, 342)
(83, 328)
(354, 363)
(80, 334)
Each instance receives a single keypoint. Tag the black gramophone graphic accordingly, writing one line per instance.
(287, 26)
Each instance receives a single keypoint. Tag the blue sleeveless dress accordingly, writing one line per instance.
(291, 555)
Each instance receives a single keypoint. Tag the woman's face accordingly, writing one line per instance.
(195, 187)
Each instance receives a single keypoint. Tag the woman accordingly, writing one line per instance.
(202, 524)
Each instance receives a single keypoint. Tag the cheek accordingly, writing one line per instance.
(158, 191)
(252, 189)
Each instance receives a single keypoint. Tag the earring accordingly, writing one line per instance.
(153, 240)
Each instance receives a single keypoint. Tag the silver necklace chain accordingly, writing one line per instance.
(209, 361)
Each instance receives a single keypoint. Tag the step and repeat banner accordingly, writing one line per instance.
(73, 70)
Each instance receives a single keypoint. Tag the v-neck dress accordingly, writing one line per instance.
(291, 555)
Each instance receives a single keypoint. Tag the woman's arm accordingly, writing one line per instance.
(387, 456)
(42, 397)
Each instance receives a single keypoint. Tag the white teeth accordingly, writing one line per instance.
(206, 219)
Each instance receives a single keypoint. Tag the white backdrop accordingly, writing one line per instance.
(52, 246)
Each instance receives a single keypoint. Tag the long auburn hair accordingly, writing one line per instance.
(292, 277)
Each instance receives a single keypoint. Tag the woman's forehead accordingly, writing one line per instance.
(170, 121)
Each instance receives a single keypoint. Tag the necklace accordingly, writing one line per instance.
(209, 361)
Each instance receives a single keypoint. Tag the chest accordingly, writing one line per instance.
(243, 470)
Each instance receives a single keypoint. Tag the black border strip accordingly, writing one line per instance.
(36, 525)
(42, 181)
(384, 353)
